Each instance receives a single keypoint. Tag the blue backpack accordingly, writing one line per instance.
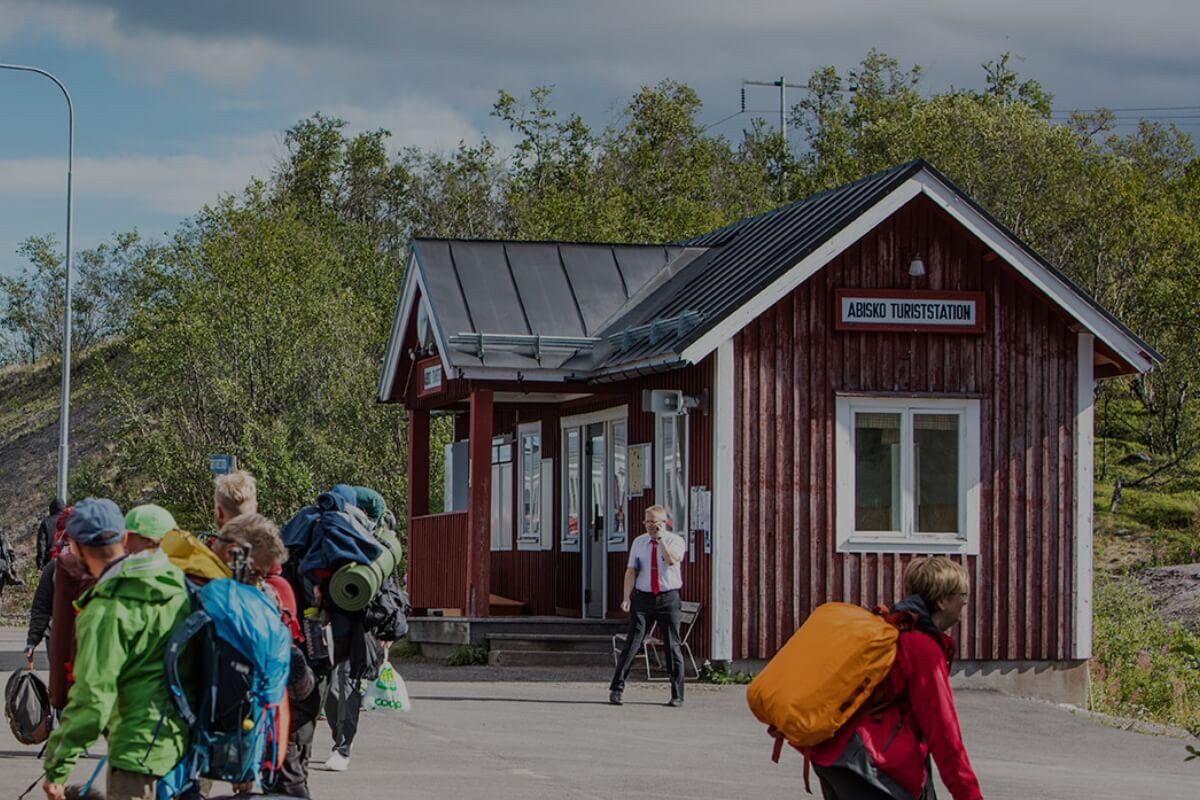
(239, 655)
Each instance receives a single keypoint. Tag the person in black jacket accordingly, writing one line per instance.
(41, 611)
(45, 532)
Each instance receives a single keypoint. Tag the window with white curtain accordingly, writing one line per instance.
(671, 473)
(502, 494)
(529, 471)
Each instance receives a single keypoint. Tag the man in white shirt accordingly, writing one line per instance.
(652, 583)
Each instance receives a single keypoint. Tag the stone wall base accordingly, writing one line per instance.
(1055, 681)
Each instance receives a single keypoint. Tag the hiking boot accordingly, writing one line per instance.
(337, 762)
(614, 698)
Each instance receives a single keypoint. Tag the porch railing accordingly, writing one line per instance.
(437, 560)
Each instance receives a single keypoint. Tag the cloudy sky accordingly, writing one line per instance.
(177, 102)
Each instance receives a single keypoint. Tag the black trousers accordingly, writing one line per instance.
(838, 783)
(647, 608)
(292, 778)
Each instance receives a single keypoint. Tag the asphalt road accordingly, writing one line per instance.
(524, 740)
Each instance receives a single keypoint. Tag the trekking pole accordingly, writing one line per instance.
(36, 781)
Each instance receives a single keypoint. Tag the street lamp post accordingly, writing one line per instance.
(64, 419)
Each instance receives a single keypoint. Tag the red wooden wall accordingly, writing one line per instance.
(790, 365)
(437, 557)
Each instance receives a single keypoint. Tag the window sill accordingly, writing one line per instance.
(937, 545)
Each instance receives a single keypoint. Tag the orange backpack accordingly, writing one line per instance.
(823, 675)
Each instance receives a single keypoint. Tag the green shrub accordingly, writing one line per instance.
(403, 649)
(1142, 666)
(715, 673)
(467, 654)
(1163, 511)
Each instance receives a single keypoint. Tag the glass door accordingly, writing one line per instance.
(596, 518)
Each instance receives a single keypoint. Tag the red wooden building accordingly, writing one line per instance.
(816, 394)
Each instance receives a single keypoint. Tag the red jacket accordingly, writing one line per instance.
(918, 719)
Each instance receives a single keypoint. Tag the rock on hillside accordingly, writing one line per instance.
(1175, 593)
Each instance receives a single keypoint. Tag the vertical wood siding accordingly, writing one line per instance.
(791, 364)
(437, 555)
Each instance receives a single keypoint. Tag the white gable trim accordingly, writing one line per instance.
(1057, 289)
(782, 286)
(924, 182)
(413, 285)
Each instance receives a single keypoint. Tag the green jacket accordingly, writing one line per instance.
(120, 687)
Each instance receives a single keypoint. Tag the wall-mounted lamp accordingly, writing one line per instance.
(917, 267)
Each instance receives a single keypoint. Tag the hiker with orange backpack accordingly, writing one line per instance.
(883, 751)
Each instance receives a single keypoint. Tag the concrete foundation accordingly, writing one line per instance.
(1055, 681)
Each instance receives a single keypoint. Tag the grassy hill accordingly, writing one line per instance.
(29, 412)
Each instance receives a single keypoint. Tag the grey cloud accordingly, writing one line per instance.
(597, 53)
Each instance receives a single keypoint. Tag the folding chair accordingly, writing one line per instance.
(689, 613)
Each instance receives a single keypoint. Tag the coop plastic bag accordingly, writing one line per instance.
(387, 692)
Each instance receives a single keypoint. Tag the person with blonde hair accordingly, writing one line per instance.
(652, 583)
(884, 753)
(234, 494)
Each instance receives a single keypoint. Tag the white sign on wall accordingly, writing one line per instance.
(888, 310)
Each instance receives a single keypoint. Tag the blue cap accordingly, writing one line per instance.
(96, 521)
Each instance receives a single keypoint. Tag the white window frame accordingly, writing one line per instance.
(907, 540)
(529, 537)
(678, 525)
(502, 534)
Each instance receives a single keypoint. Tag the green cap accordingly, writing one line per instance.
(370, 501)
(150, 521)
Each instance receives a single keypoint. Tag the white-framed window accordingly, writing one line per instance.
(530, 489)
(572, 501)
(671, 468)
(618, 496)
(907, 475)
(502, 493)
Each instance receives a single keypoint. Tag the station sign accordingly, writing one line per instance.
(910, 311)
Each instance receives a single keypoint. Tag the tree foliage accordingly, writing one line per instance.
(258, 329)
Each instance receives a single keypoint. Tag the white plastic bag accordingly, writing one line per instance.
(387, 692)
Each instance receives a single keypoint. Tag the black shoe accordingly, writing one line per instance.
(614, 698)
(675, 702)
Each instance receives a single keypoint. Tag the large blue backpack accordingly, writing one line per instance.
(239, 654)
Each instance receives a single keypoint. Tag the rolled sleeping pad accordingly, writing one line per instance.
(354, 586)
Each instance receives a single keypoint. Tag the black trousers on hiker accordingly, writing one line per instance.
(292, 778)
(646, 608)
(838, 783)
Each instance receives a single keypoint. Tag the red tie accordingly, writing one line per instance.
(654, 566)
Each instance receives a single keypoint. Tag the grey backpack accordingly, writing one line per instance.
(27, 706)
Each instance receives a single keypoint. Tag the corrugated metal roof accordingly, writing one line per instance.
(601, 290)
(530, 289)
(748, 255)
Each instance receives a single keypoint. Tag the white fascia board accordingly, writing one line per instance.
(395, 343)
(724, 480)
(1084, 454)
(1020, 259)
(782, 286)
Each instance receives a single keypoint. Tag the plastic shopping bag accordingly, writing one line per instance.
(387, 692)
